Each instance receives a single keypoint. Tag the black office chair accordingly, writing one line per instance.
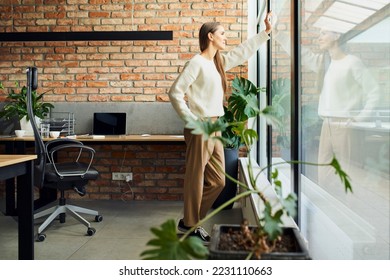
(72, 174)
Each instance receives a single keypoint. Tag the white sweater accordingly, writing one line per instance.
(201, 82)
(349, 90)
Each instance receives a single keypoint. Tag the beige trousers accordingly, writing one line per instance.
(340, 140)
(203, 181)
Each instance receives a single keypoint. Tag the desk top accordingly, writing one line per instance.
(6, 160)
(110, 138)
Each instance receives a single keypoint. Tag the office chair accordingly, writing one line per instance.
(72, 174)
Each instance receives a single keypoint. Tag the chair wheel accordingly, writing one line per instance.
(91, 231)
(62, 218)
(98, 218)
(41, 237)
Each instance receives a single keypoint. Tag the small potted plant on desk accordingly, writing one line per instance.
(260, 242)
(16, 106)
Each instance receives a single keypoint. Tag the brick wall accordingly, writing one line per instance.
(118, 71)
(157, 172)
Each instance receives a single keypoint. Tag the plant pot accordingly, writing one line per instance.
(26, 125)
(230, 189)
(299, 251)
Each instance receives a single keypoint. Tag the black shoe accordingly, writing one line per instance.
(198, 232)
(182, 227)
(202, 234)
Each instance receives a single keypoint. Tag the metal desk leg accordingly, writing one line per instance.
(25, 203)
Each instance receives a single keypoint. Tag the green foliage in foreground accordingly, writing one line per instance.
(170, 247)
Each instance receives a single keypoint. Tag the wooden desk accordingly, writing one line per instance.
(21, 166)
(111, 138)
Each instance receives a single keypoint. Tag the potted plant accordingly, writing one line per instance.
(270, 231)
(241, 241)
(17, 105)
(241, 106)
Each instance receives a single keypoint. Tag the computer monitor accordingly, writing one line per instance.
(109, 123)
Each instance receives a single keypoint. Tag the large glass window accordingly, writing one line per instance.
(280, 89)
(345, 80)
(344, 92)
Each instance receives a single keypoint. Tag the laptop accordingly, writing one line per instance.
(109, 123)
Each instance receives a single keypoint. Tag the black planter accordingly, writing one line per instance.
(230, 189)
(300, 252)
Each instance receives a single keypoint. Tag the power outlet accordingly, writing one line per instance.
(122, 176)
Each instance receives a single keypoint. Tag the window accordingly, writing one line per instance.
(344, 95)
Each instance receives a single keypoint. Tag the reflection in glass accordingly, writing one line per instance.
(345, 95)
(344, 76)
(281, 93)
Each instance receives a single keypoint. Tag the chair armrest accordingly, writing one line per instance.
(68, 146)
(60, 141)
(50, 145)
(72, 145)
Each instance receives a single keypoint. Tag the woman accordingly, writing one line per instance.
(203, 82)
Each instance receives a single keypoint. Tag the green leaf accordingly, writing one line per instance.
(249, 137)
(271, 117)
(17, 104)
(272, 222)
(195, 247)
(168, 246)
(280, 87)
(243, 103)
(342, 174)
(205, 127)
(290, 204)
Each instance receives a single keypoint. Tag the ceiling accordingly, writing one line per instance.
(345, 16)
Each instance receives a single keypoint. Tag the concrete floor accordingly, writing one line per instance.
(122, 235)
